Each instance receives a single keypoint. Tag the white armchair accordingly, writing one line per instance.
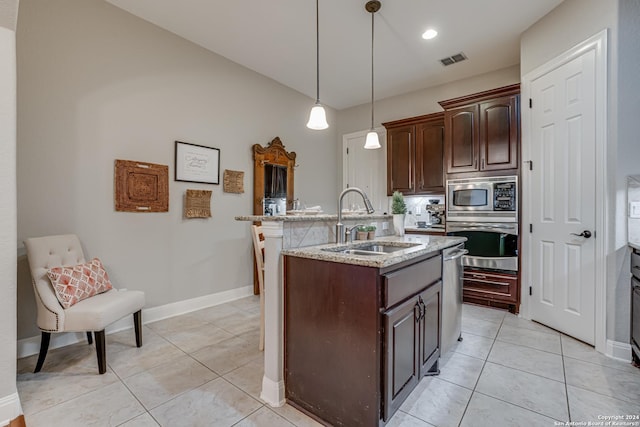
(93, 314)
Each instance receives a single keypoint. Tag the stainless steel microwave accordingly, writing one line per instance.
(485, 199)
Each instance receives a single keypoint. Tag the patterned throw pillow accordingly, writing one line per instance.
(73, 284)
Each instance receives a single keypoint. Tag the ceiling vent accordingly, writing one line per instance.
(458, 57)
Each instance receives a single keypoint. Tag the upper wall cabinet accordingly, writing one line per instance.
(415, 148)
(482, 131)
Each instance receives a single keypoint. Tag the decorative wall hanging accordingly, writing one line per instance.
(197, 204)
(141, 187)
(197, 163)
(233, 181)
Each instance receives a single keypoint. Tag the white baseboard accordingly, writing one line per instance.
(10, 408)
(30, 346)
(618, 350)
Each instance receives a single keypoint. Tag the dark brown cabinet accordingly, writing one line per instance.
(412, 337)
(401, 160)
(482, 131)
(358, 339)
(491, 288)
(415, 149)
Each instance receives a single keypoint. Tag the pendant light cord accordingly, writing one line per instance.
(372, 15)
(317, 52)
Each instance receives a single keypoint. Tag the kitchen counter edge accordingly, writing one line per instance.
(426, 245)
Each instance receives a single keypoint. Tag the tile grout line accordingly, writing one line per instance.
(564, 372)
(484, 363)
(501, 400)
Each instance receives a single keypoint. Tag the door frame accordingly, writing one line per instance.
(597, 43)
(382, 135)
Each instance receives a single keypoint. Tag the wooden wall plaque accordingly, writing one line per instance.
(141, 187)
(197, 204)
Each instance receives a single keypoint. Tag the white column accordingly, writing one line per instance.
(273, 380)
(9, 400)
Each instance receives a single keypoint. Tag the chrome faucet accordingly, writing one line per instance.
(340, 234)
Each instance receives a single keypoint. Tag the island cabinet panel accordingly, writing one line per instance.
(402, 361)
(332, 341)
(358, 339)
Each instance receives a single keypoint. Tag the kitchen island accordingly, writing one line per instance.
(362, 325)
(288, 232)
(305, 236)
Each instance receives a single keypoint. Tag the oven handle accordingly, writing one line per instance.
(499, 225)
(506, 228)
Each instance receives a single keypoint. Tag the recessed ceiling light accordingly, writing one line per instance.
(429, 34)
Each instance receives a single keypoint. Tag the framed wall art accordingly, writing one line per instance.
(197, 163)
(141, 186)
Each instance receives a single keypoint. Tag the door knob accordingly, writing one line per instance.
(586, 234)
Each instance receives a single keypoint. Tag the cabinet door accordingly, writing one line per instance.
(430, 299)
(461, 139)
(400, 159)
(402, 368)
(430, 157)
(499, 133)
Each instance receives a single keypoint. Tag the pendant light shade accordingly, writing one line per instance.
(317, 117)
(372, 141)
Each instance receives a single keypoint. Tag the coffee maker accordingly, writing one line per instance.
(436, 215)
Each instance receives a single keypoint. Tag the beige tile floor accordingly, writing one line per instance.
(204, 369)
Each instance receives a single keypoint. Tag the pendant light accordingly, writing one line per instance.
(317, 117)
(372, 141)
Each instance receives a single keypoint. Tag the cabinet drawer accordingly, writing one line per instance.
(494, 286)
(401, 284)
(635, 264)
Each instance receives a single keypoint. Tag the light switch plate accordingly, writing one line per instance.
(634, 209)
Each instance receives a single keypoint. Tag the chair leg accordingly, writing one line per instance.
(44, 346)
(101, 351)
(89, 337)
(137, 324)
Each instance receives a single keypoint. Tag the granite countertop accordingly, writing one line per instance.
(313, 217)
(421, 245)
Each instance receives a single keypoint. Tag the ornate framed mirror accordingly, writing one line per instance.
(272, 178)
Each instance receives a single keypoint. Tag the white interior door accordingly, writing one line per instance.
(562, 210)
(364, 169)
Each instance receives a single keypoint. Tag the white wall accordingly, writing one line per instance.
(97, 84)
(570, 23)
(9, 401)
(423, 101)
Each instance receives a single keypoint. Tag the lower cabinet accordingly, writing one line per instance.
(358, 339)
(412, 339)
(491, 288)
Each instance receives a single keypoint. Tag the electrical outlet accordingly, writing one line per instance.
(634, 209)
(385, 225)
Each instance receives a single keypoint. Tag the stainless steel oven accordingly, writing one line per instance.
(484, 199)
(490, 245)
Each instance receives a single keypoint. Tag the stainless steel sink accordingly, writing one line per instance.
(371, 249)
(358, 252)
(377, 247)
